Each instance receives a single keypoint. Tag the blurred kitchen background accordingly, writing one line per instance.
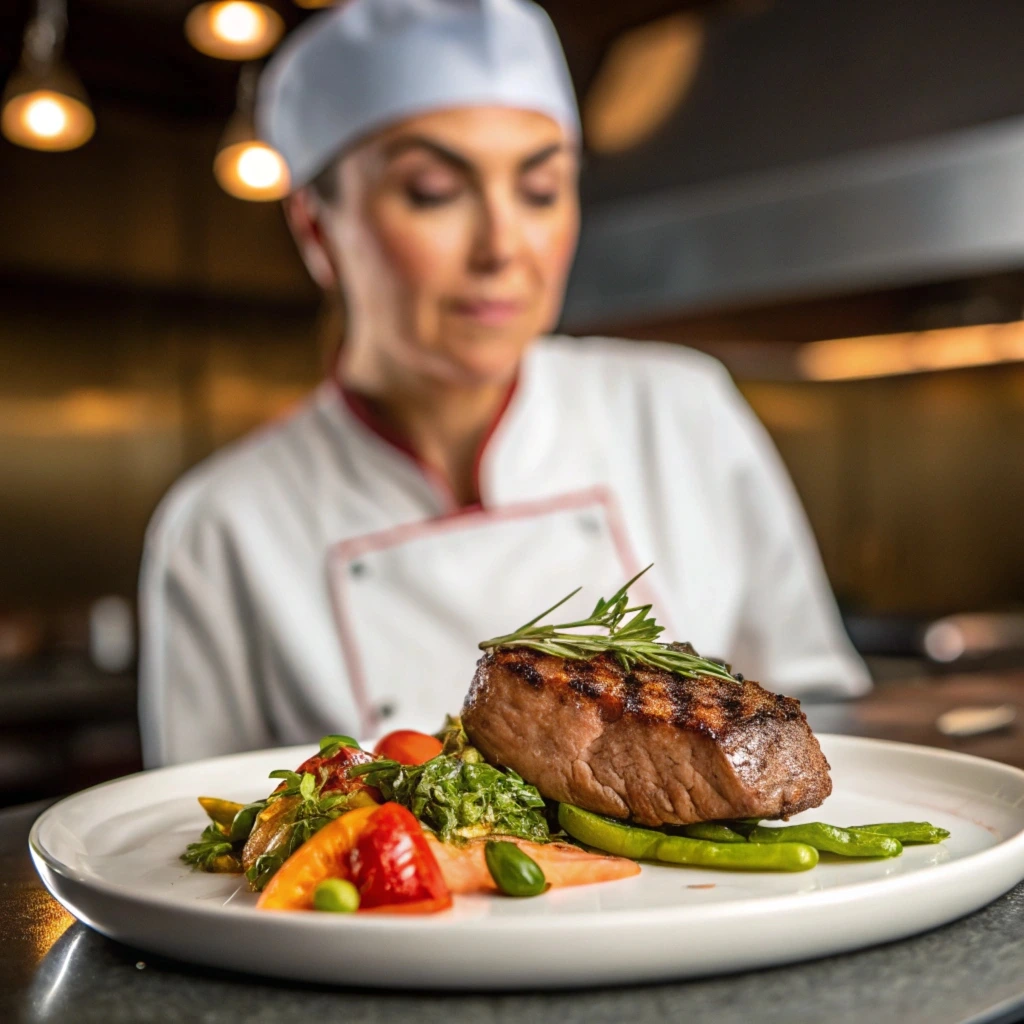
(828, 196)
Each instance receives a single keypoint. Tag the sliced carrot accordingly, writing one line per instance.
(465, 869)
(323, 855)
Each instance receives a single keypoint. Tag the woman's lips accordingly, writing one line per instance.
(489, 312)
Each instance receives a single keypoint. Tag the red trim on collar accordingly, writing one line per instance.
(363, 412)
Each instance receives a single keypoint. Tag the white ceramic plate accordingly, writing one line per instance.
(110, 855)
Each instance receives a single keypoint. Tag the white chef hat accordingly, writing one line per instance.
(367, 63)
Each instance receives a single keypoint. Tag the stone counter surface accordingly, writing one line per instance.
(55, 969)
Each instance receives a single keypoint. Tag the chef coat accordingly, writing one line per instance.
(317, 578)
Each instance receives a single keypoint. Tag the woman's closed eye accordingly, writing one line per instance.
(434, 188)
(426, 198)
(540, 197)
(541, 186)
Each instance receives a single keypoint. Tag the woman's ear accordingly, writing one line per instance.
(304, 214)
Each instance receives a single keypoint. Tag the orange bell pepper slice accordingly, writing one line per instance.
(323, 855)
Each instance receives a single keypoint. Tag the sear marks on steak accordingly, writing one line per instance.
(646, 744)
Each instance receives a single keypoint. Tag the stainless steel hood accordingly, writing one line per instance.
(945, 207)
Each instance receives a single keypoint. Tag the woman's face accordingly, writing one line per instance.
(452, 237)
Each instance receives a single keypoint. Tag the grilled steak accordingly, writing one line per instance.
(646, 744)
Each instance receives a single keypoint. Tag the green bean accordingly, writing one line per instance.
(737, 856)
(909, 833)
(713, 831)
(646, 844)
(830, 839)
(514, 872)
(336, 895)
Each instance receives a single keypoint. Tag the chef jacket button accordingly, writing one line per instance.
(589, 524)
(385, 710)
(358, 569)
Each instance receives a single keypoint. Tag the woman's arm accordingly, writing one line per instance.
(790, 634)
(199, 690)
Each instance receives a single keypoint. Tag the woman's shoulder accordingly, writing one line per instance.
(244, 478)
(626, 364)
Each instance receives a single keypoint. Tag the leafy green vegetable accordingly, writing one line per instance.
(460, 799)
(213, 844)
(243, 822)
(330, 745)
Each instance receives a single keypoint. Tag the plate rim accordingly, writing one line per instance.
(833, 896)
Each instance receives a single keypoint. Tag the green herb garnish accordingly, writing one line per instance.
(461, 799)
(632, 641)
(208, 853)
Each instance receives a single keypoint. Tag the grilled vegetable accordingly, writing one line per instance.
(514, 873)
(646, 844)
(220, 811)
(322, 856)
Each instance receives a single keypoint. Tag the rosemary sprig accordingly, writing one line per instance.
(632, 640)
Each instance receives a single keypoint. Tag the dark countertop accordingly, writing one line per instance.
(970, 972)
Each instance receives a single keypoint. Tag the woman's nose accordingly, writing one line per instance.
(498, 236)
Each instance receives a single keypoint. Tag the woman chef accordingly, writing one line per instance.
(461, 470)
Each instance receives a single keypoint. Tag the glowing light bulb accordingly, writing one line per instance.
(238, 22)
(252, 170)
(260, 167)
(45, 117)
(234, 29)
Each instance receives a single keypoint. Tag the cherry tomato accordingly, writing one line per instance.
(392, 865)
(406, 746)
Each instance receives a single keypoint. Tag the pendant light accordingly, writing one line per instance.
(44, 104)
(245, 167)
(234, 29)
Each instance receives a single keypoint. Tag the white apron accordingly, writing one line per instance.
(315, 578)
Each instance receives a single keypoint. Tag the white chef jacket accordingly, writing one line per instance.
(316, 578)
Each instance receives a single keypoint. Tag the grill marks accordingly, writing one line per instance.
(705, 704)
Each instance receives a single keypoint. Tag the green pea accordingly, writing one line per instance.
(514, 872)
(337, 896)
